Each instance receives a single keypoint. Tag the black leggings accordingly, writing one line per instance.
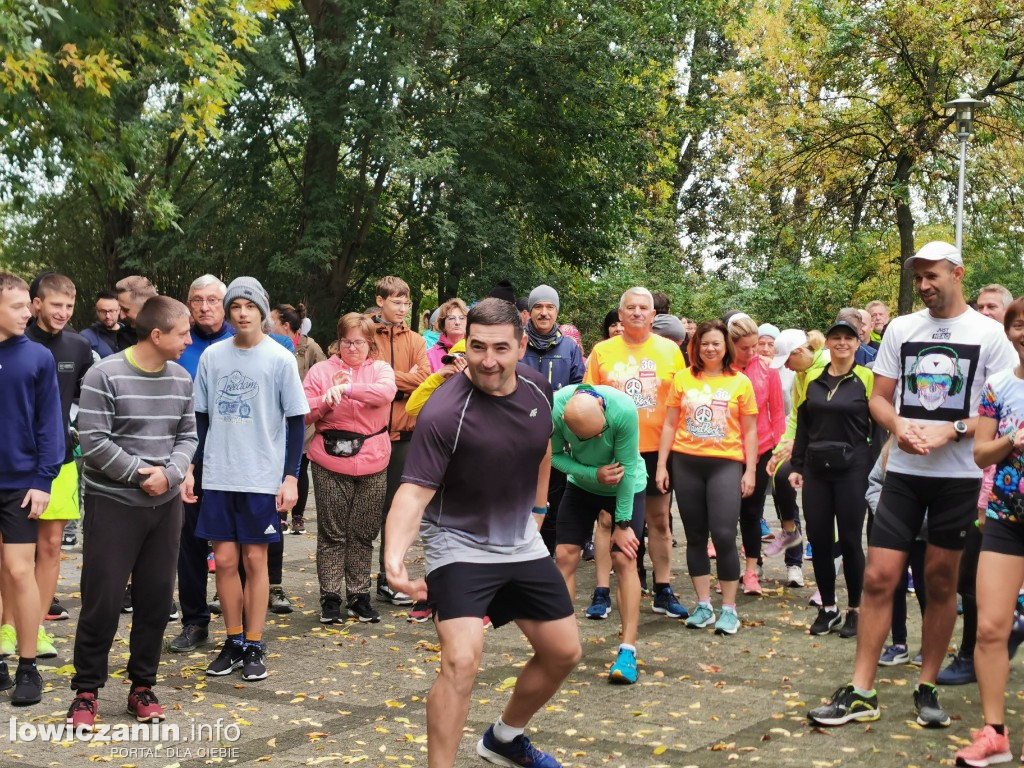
(752, 508)
(785, 504)
(836, 500)
(299, 510)
(967, 587)
(708, 490)
(899, 601)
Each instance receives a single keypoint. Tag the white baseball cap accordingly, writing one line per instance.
(787, 341)
(937, 250)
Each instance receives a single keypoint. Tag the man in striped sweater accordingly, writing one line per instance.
(138, 432)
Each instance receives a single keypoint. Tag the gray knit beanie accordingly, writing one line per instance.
(543, 293)
(248, 288)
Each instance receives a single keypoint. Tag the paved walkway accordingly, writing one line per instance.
(356, 693)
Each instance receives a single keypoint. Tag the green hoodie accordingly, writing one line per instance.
(620, 442)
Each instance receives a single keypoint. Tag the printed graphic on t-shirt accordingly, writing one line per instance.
(937, 379)
(707, 413)
(639, 380)
(233, 391)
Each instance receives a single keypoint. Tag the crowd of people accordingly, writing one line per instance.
(196, 427)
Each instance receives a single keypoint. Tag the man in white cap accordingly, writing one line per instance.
(929, 376)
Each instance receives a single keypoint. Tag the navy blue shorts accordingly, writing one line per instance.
(248, 518)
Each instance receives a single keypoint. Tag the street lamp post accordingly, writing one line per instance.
(964, 107)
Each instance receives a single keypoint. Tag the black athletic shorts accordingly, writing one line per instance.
(1004, 537)
(530, 589)
(651, 460)
(15, 527)
(579, 510)
(951, 504)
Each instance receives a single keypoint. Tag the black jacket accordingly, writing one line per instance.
(73, 356)
(834, 412)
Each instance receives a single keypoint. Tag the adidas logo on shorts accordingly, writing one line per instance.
(271, 529)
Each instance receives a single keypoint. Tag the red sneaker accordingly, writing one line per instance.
(487, 622)
(83, 712)
(143, 704)
(987, 748)
(420, 613)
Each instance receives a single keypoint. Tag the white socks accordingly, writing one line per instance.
(506, 733)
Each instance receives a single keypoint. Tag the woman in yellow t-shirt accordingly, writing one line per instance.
(714, 459)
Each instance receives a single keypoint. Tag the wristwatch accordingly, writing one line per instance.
(623, 524)
(960, 428)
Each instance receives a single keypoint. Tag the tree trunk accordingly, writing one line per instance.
(905, 226)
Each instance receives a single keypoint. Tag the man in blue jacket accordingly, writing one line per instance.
(28, 466)
(206, 305)
(559, 360)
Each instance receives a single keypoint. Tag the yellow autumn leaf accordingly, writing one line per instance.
(660, 750)
(392, 704)
(507, 684)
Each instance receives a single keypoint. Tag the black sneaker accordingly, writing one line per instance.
(28, 687)
(173, 615)
(5, 677)
(826, 622)
(298, 525)
(930, 713)
(57, 611)
(254, 662)
(359, 608)
(279, 602)
(69, 540)
(228, 660)
(850, 625)
(846, 705)
(330, 609)
(191, 637)
(214, 604)
(386, 594)
(126, 601)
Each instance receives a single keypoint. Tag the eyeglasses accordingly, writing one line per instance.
(455, 319)
(348, 343)
(603, 429)
(400, 303)
(107, 311)
(199, 301)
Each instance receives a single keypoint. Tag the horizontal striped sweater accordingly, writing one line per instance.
(129, 419)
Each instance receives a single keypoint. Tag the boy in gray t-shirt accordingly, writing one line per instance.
(249, 411)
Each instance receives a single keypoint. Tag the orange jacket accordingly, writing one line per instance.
(403, 350)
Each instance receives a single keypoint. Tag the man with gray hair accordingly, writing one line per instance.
(206, 306)
(993, 300)
(643, 365)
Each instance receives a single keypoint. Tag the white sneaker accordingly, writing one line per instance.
(795, 576)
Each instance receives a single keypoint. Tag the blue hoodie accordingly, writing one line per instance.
(560, 364)
(33, 450)
(189, 359)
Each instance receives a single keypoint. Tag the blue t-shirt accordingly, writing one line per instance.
(1003, 400)
(248, 394)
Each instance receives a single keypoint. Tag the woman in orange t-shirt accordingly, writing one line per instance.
(714, 458)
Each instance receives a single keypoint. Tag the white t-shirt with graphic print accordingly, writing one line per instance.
(940, 366)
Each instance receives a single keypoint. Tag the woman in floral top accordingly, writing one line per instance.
(999, 440)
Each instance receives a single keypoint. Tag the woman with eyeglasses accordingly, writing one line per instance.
(831, 462)
(349, 397)
(451, 320)
(710, 433)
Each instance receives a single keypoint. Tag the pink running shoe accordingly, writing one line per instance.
(751, 586)
(988, 748)
(711, 550)
(782, 542)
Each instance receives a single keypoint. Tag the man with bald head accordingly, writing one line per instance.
(595, 441)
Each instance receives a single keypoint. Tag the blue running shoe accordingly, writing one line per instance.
(513, 754)
(766, 532)
(703, 616)
(600, 605)
(665, 603)
(910, 583)
(807, 552)
(623, 671)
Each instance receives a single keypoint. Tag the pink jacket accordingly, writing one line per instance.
(365, 409)
(771, 413)
(436, 352)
